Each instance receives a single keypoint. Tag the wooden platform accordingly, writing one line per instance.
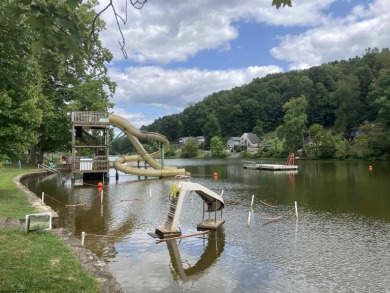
(210, 224)
(271, 167)
(163, 233)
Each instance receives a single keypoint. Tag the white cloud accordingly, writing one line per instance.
(170, 31)
(165, 32)
(339, 39)
(177, 88)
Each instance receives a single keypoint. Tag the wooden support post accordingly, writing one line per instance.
(203, 211)
(215, 218)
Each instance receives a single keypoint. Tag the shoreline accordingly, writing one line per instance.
(96, 267)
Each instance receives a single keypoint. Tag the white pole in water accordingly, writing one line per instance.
(296, 209)
(249, 219)
(82, 238)
(222, 193)
(43, 196)
(150, 193)
(253, 198)
(101, 197)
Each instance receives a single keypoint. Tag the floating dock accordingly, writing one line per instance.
(271, 167)
(289, 166)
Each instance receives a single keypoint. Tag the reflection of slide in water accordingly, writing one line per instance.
(212, 252)
(133, 134)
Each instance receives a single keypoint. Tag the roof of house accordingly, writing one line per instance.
(235, 138)
(253, 138)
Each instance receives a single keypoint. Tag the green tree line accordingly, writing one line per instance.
(340, 95)
(49, 66)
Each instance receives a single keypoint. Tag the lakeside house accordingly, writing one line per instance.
(232, 142)
(250, 140)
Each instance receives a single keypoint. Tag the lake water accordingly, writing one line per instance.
(339, 243)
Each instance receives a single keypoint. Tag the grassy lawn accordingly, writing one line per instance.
(13, 203)
(34, 262)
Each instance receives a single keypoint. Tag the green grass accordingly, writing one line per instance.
(34, 262)
(40, 262)
(13, 202)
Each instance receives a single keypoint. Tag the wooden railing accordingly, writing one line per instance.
(86, 117)
(47, 168)
(90, 166)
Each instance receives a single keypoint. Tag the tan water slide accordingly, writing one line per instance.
(133, 134)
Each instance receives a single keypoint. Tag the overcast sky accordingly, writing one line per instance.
(179, 52)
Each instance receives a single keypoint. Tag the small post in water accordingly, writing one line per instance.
(43, 196)
(296, 209)
(82, 238)
(249, 219)
(253, 198)
(101, 197)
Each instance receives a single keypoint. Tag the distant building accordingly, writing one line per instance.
(199, 139)
(233, 141)
(250, 140)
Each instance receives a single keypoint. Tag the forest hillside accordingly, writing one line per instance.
(341, 95)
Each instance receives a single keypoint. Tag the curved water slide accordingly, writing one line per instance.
(133, 134)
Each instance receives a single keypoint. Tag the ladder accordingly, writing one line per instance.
(171, 213)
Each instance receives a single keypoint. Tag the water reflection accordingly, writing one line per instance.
(340, 242)
(214, 248)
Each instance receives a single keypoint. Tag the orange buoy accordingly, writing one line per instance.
(215, 175)
(370, 168)
(100, 184)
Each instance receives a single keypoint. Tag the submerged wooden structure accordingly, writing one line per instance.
(212, 202)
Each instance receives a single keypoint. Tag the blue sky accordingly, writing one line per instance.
(179, 52)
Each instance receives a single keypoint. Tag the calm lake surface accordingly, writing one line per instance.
(339, 243)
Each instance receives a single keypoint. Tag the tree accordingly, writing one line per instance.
(71, 82)
(171, 126)
(279, 3)
(342, 149)
(293, 128)
(348, 113)
(322, 143)
(258, 129)
(194, 118)
(20, 87)
(46, 73)
(190, 148)
(380, 96)
(231, 120)
(51, 22)
(217, 148)
(211, 129)
(372, 142)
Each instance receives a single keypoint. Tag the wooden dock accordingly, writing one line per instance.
(270, 167)
(289, 166)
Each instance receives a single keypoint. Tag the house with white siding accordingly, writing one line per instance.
(250, 140)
